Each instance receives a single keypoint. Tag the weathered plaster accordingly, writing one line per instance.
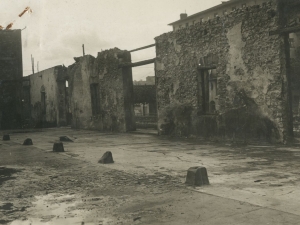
(52, 83)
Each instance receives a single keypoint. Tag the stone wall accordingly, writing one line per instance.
(11, 73)
(103, 82)
(47, 94)
(292, 18)
(250, 77)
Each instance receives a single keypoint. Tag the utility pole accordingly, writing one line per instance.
(83, 50)
(32, 64)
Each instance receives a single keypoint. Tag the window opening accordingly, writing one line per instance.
(95, 98)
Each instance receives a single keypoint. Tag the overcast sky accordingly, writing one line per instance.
(56, 29)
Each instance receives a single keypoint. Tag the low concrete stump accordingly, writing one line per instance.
(6, 137)
(197, 176)
(65, 138)
(27, 141)
(58, 147)
(106, 158)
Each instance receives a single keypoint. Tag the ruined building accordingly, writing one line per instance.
(230, 76)
(93, 93)
(45, 102)
(101, 92)
(220, 10)
(11, 73)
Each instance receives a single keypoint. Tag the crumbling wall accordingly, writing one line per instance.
(251, 79)
(11, 73)
(114, 92)
(47, 97)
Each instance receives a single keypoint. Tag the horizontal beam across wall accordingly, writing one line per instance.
(207, 67)
(141, 48)
(286, 30)
(141, 63)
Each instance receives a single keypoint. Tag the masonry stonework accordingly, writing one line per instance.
(101, 92)
(250, 77)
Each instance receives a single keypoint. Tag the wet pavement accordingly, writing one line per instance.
(249, 184)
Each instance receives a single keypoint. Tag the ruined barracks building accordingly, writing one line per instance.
(231, 71)
(11, 72)
(234, 74)
(93, 93)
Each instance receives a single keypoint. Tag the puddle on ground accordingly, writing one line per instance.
(6, 174)
(57, 209)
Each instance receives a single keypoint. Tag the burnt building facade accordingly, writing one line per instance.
(11, 73)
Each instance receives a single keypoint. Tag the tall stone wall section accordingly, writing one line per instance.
(11, 73)
(115, 92)
(251, 79)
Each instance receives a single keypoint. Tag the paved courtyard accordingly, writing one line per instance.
(254, 184)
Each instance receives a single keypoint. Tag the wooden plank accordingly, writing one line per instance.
(141, 63)
(141, 48)
(286, 30)
(207, 67)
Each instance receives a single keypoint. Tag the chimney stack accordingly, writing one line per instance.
(183, 16)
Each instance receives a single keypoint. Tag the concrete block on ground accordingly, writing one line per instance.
(28, 141)
(58, 147)
(197, 176)
(65, 138)
(106, 158)
(6, 137)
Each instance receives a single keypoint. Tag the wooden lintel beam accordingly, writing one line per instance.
(141, 48)
(141, 63)
(212, 67)
(285, 30)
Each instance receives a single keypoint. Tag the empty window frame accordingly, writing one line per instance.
(95, 98)
(292, 42)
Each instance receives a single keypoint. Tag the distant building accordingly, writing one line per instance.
(11, 73)
(150, 80)
(220, 10)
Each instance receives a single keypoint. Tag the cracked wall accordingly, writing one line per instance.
(250, 73)
(114, 88)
